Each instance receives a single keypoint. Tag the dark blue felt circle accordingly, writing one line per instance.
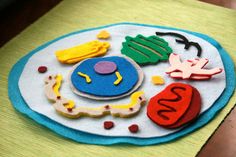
(103, 85)
(79, 136)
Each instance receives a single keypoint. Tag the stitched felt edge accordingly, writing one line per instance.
(79, 136)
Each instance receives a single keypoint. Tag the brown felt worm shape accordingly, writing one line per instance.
(61, 104)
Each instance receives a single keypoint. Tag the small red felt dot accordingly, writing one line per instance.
(131, 109)
(133, 128)
(107, 107)
(108, 125)
(69, 109)
(58, 97)
(42, 69)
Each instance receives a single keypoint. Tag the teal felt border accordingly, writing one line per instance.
(19, 103)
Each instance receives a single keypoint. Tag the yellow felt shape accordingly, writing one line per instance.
(119, 78)
(157, 80)
(134, 100)
(87, 78)
(83, 51)
(57, 86)
(70, 104)
(103, 35)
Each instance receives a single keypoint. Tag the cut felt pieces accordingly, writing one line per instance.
(175, 106)
(110, 76)
(190, 69)
(182, 40)
(146, 50)
(83, 51)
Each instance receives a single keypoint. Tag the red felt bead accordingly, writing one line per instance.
(107, 107)
(42, 69)
(108, 125)
(69, 109)
(133, 128)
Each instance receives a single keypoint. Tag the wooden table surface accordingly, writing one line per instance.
(21, 136)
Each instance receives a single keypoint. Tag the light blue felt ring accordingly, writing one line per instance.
(79, 136)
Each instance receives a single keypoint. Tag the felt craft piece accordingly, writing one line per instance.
(119, 78)
(67, 107)
(103, 35)
(192, 112)
(105, 67)
(42, 69)
(90, 130)
(87, 78)
(108, 125)
(190, 69)
(146, 50)
(126, 79)
(157, 80)
(83, 51)
(184, 40)
(169, 107)
(133, 128)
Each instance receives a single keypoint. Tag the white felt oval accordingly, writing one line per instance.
(31, 82)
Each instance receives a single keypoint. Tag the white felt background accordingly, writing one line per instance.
(31, 82)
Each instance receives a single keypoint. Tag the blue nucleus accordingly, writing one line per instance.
(103, 85)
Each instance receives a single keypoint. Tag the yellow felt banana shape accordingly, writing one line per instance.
(83, 51)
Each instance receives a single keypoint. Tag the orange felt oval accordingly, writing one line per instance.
(168, 106)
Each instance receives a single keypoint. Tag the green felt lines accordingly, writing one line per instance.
(146, 50)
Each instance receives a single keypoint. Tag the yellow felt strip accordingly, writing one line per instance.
(134, 100)
(119, 78)
(87, 78)
(57, 86)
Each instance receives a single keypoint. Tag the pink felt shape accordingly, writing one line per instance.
(190, 69)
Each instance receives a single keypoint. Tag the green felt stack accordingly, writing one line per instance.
(146, 50)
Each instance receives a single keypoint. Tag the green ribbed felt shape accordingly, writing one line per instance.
(146, 50)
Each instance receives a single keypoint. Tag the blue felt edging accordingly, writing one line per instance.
(19, 103)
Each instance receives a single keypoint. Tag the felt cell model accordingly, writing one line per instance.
(78, 53)
(106, 78)
(67, 107)
(101, 99)
(175, 106)
(190, 69)
(146, 50)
